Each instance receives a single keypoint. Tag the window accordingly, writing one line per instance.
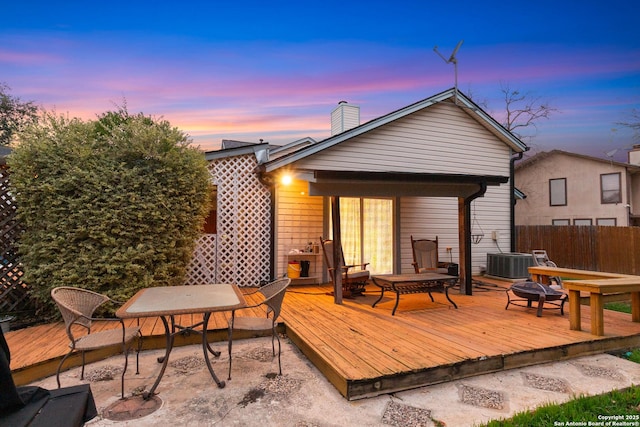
(560, 222)
(558, 192)
(606, 221)
(610, 188)
(582, 222)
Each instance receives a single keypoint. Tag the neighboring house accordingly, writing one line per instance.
(565, 188)
(439, 167)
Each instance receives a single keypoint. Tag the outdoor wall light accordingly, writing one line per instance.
(286, 179)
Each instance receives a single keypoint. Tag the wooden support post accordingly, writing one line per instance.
(464, 239)
(337, 245)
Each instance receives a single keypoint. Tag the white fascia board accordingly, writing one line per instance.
(257, 149)
(306, 140)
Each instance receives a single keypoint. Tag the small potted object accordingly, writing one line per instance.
(5, 323)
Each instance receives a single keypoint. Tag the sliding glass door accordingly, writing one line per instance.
(367, 232)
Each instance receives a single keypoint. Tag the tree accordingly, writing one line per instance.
(523, 110)
(15, 115)
(112, 205)
(633, 123)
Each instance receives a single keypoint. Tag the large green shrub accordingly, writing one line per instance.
(112, 205)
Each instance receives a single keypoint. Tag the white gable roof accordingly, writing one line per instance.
(468, 106)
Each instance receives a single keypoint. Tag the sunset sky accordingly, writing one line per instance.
(275, 70)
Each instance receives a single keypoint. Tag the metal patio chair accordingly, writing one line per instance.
(273, 295)
(77, 307)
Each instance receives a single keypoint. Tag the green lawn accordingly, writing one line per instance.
(623, 406)
(620, 405)
(623, 306)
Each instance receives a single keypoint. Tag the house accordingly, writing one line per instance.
(439, 167)
(564, 188)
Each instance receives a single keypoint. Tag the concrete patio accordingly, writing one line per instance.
(304, 397)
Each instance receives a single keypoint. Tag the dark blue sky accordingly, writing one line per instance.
(275, 70)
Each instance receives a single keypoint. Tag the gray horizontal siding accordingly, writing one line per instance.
(428, 217)
(438, 139)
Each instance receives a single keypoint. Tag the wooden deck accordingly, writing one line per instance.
(365, 351)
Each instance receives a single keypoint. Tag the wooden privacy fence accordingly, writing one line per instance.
(598, 248)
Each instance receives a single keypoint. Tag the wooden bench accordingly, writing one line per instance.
(598, 290)
(601, 288)
(541, 274)
(402, 284)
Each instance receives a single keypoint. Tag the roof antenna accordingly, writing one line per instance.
(452, 60)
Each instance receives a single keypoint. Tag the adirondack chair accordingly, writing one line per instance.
(354, 277)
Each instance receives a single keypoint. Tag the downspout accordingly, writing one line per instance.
(512, 189)
(468, 279)
(268, 181)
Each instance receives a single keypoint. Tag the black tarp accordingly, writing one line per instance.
(35, 406)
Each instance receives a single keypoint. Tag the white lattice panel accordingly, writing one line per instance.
(243, 222)
(202, 268)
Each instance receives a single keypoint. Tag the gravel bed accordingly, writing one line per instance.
(546, 383)
(187, 364)
(401, 415)
(477, 396)
(104, 373)
(599, 371)
(280, 385)
(259, 354)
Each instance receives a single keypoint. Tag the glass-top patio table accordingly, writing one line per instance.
(413, 283)
(166, 302)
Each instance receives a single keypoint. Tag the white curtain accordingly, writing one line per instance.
(366, 227)
(378, 235)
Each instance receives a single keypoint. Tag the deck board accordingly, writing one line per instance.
(432, 340)
(365, 351)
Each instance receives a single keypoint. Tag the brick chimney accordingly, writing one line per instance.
(344, 117)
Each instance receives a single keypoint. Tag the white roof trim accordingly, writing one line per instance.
(260, 150)
(299, 142)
